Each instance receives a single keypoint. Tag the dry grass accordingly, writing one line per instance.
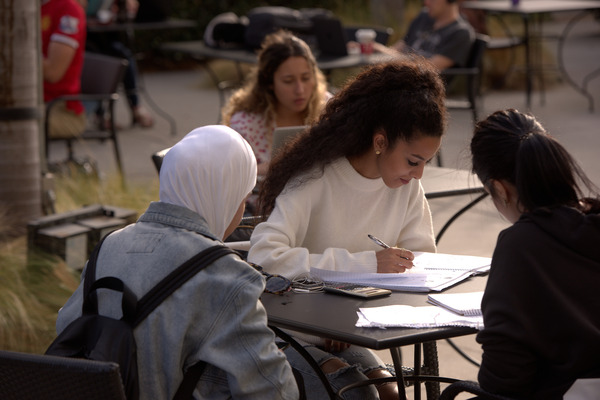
(34, 285)
(32, 289)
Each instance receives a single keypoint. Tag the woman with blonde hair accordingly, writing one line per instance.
(285, 89)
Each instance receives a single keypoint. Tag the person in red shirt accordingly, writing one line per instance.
(63, 43)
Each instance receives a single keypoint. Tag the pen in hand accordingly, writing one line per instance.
(378, 241)
(381, 243)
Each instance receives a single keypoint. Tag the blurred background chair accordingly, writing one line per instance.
(100, 80)
(26, 376)
(585, 388)
(471, 74)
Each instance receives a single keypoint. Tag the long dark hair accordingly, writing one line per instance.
(404, 99)
(513, 146)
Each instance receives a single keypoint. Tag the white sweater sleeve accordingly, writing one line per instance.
(276, 244)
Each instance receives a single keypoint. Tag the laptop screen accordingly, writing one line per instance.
(282, 135)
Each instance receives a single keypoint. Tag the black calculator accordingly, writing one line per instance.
(353, 289)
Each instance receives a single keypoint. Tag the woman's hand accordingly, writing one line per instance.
(394, 259)
(335, 346)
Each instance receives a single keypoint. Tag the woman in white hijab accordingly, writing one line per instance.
(215, 316)
(210, 171)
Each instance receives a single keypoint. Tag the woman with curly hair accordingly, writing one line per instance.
(356, 171)
(285, 89)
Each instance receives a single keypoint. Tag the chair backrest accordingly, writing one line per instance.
(477, 49)
(101, 74)
(157, 158)
(26, 376)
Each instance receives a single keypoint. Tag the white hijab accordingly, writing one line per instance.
(210, 171)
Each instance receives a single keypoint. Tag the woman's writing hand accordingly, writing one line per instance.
(394, 260)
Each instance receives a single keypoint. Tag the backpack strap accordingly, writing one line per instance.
(128, 301)
(90, 284)
(190, 380)
(176, 278)
(168, 285)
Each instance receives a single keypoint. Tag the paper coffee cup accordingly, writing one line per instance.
(366, 37)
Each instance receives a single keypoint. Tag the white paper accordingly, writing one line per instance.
(413, 317)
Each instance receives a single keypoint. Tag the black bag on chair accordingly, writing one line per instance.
(96, 337)
(265, 20)
(226, 31)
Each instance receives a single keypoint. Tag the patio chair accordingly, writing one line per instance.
(100, 79)
(26, 376)
(468, 84)
(472, 78)
(579, 390)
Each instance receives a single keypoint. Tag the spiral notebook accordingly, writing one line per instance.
(468, 304)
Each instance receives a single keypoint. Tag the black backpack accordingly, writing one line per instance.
(96, 337)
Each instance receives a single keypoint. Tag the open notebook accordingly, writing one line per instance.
(459, 303)
(431, 272)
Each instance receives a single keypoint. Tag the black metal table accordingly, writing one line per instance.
(334, 317)
(531, 12)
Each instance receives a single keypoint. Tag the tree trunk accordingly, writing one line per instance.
(20, 111)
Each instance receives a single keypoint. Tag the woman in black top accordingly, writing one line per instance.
(541, 308)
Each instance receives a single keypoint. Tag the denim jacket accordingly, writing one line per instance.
(216, 316)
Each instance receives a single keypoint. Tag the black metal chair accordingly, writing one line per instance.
(100, 80)
(587, 391)
(26, 376)
(472, 77)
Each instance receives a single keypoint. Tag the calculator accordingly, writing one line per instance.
(352, 289)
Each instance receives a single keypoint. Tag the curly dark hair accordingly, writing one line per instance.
(402, 99)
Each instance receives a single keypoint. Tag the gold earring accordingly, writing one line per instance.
(377, 152)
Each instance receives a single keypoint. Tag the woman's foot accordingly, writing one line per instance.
(142, 117)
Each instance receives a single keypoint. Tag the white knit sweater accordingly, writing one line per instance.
(324, 223)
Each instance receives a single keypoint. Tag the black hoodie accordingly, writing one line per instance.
(541, 306)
